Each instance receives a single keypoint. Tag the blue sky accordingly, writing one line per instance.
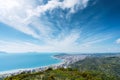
(60, 26)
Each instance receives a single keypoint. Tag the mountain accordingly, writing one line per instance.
(1, 52)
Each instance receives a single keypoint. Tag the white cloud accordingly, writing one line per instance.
(63, 46)
(118, 41)
(72, 4)
(20, 13)
(21, 47)
(14, 14)
(67, 44)
(65, 4)
(7, 4)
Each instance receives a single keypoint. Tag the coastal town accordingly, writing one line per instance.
(66, 60)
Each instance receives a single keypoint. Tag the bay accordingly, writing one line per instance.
(26, 60)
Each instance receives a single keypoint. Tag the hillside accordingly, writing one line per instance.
(62, 74)
(106, 65)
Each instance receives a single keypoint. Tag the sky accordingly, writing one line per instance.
(74, 26)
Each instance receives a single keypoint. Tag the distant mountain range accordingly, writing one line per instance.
(1, 52)
(92, 54)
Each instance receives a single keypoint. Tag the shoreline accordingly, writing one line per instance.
(66, 60)
(8, 73)
(27, 69)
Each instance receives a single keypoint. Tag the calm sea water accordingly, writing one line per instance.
(21, 61)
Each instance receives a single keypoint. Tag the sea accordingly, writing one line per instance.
(26, 60)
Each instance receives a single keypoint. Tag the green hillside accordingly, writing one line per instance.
(107, 65)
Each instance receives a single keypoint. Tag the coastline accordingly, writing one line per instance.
(66, 60)
(8, 73)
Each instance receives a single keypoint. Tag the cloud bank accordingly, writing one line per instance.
(20, 14)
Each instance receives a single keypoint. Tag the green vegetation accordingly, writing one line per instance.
(110, 66)
(62, 74)
(87, 69)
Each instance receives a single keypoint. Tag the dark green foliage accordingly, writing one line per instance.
(49, 69)
(107, 65)
(61, 74)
